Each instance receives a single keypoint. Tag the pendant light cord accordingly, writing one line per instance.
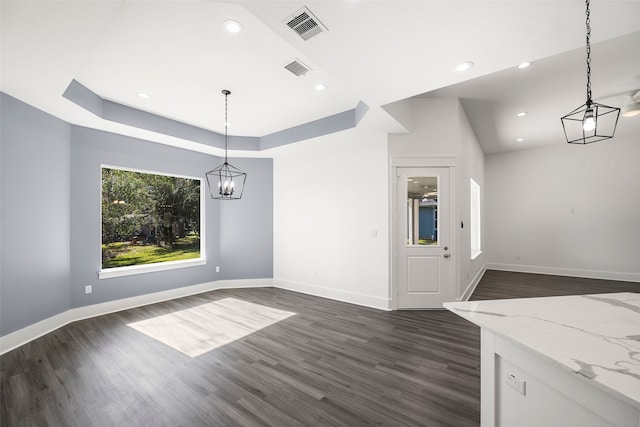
(588, 54)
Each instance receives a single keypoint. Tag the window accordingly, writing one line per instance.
(422, 210)
(475, 226)
(150, 222)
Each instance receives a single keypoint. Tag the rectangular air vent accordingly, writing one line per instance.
(305, 24)
(297, 68)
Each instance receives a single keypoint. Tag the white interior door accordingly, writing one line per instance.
(424, 264)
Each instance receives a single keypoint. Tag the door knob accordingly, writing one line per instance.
(447, 255)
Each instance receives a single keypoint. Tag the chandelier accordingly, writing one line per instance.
(226, 182)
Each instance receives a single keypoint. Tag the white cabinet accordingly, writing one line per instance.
(559, 361)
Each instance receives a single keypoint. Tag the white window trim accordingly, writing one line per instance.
(108, 273)
(475, 255)
(478, 227)
(130, 270)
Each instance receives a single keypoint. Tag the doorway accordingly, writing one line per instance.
(423, 266)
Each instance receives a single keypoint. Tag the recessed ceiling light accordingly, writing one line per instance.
(519, 139)
(522, 114)
(320, 87)
(524, 65)
(232, 26)
(143, 95)
(463, 66)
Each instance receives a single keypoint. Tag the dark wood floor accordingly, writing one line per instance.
(507, 284)
(332, 364)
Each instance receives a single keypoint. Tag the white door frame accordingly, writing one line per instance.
(418, 162)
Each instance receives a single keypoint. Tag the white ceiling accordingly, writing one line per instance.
(546, 91)
(377, 52)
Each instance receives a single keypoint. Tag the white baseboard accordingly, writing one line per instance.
(472, 286)
(571, 272)
(31, 332)
(334, 294)
(138, 301)
(36, 330)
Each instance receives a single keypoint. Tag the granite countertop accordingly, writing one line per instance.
(594, 336)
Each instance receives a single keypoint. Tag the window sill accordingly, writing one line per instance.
(475, 255)
(149, 268)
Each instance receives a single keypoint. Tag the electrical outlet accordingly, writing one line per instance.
(88, 289)
(217, 269)
(516, 383)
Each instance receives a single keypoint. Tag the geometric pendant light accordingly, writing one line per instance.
(591, 121)
(226, 182)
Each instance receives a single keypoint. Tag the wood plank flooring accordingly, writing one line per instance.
(330, 364)
(506, 284)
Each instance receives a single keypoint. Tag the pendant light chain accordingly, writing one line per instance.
(588, 54)
(226, 122)
(590, 122)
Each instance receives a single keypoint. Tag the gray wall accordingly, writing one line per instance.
(246, 225)
(50, 223)
(89, 150)
(227, 227)
(34, 261)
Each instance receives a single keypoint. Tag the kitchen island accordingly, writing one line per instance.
(558, 361)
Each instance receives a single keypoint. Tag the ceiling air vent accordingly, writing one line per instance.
(297, 68)
(305, 24)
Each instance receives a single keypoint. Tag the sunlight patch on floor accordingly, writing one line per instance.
(200, 329)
